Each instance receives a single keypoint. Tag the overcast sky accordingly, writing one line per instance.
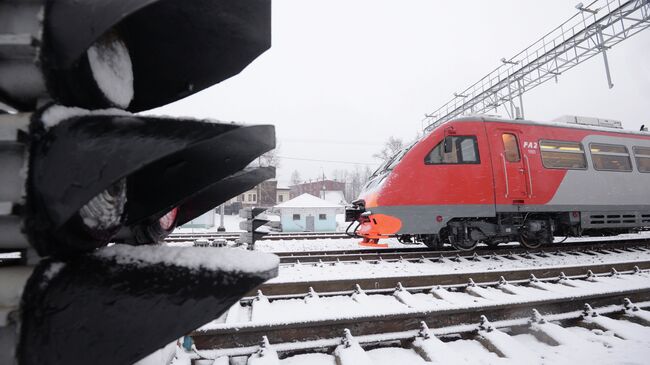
(344, 75)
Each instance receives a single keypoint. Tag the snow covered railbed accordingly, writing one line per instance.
(309, 247)
(565, 338)
(416, 253)
(354, 270)
(417, 302)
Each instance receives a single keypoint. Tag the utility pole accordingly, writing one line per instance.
(221, 213)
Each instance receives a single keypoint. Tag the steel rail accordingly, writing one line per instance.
(270, 237)
(248, 335)
(346, 286)
(409, 335)
(417, 253)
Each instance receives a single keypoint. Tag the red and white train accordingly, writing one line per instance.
(482, 179)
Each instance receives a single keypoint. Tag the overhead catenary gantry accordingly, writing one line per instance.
(592, 31)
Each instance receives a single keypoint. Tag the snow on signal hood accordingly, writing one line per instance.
(194, 258)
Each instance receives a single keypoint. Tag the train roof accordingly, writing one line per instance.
(489, 118)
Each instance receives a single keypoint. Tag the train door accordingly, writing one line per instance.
(514, 168)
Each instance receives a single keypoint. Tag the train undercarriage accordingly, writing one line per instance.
(531, 230)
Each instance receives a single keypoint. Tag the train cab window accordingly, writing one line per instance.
(510, 147)
(642, 157)
(464, 150)
(563, 155)
(609, 157)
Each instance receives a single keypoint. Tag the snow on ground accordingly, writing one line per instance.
(577, 346)
(230, 223)
(353, 243)
(324, 244)
(314, 308)
(351, 270)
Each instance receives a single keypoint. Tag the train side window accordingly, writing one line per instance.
(511, 147)
(563, 155)
(464, 150)
(642, 157)
(609, 157)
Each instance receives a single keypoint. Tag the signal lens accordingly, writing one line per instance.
(104, 212)
(112, 70)
(168, 220)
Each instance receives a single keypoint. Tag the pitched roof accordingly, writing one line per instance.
(334, 196)
(307, 201)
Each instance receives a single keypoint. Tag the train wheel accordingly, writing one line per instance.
(528, 242)
(465, 245)
(432, 241)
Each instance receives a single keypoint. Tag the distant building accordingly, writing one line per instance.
(282, 194)
(307, 213)
(316, 187)
(334, 196)
(263, 195)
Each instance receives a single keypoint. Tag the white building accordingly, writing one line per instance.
(307, 213)
(334, 196)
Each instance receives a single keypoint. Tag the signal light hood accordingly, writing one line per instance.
(194, 169)
(222, 190)
(177, 47)
(163, 160)
(122, 303)
(170, 48)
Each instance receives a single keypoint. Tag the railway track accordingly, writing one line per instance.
(417, 253)
(376, 284)
(184, 237)
(426, 321)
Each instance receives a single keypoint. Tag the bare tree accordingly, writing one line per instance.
(391, 147)
(366, 174)
(356, 182)
(340, 175)
(270, 158)
(295, 178)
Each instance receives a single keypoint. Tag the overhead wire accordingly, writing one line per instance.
(332, 161)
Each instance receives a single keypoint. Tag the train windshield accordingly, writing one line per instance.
(398, 157)
(390, 164)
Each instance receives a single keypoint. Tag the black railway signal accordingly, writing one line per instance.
(90, 176)
(76, 179)
(79, 195)
(239, 182)
(254, 225)
(132, 54)
(120, 304)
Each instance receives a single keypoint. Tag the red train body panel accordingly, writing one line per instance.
(499, 180)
